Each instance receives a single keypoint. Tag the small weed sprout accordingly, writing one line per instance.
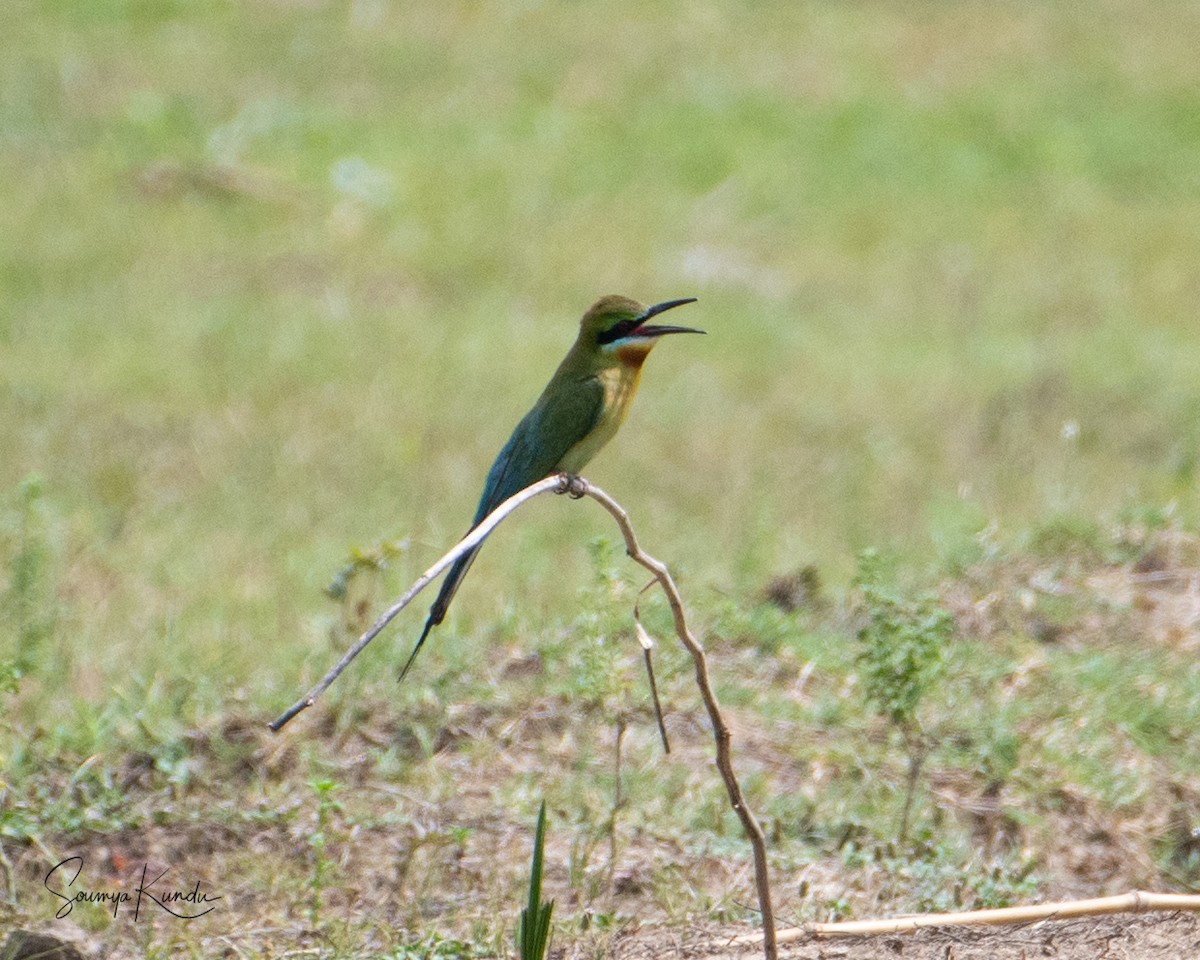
(603, 683)
(901, 660)
(533, 929)
(356, 583)
(327, 806)
(10, 677)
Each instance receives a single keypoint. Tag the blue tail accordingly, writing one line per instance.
(437, 613)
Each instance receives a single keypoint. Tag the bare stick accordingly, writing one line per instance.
(557, 483)
(658, 712)
(721, 733)
(1138, 901)
(647, 649)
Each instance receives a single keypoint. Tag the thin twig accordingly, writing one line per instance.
(647, 653)
(618, 804)
(9, 875)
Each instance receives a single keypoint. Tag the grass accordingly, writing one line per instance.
(277, 279)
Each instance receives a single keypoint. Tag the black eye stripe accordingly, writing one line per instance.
(617, 331)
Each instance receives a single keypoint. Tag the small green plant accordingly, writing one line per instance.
(901, 659)
(533, 929)
(25, 602)
(327, 806)
(356, 583)
(1066, 536)
(436, 947)
(10, 677)
(601, 683)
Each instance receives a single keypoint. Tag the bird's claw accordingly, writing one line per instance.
(572, 485)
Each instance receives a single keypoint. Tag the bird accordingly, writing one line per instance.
(581, 409)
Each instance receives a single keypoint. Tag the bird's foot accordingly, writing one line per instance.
(575, 486)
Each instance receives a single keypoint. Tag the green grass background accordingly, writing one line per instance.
(277, 279)
(924, 238)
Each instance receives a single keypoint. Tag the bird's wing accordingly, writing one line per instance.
(541, 440)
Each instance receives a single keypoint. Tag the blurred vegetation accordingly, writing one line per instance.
(277, 278)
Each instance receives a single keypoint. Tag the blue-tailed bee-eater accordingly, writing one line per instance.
(580, 410)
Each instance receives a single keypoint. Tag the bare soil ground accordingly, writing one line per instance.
(1167, 937)
(435, 850)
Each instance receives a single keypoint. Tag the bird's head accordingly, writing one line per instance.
(617, 325)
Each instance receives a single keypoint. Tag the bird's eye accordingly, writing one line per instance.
(617, 331)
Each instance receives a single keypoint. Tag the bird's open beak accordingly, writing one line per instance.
(652, 330)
